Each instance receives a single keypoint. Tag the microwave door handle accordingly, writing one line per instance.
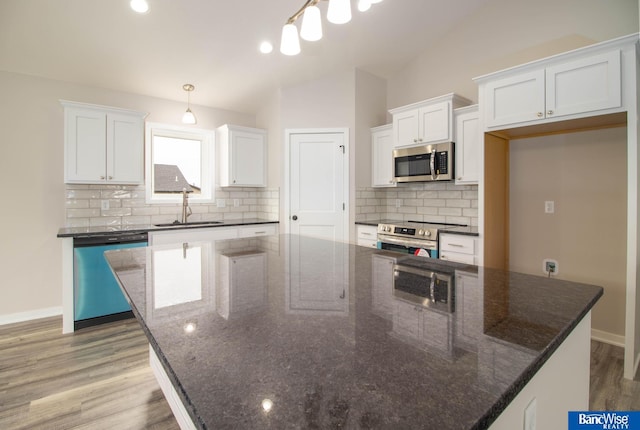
(432, 164)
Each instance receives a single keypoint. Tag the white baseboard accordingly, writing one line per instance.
(606, 337)
(30, 315)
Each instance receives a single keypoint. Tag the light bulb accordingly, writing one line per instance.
(364, 5)
(290, 44)
(188, 117)
(266, 47)
(140, 6)
(339, 11)
(311, 24)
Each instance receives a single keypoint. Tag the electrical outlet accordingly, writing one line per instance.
(549, 207)
(550, 267)
(236, 202)
(220, 203)
(104, 205)
(530, 415)
(398, 203)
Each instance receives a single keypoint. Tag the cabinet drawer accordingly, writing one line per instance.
(367, 232)
(258, 230)
(457, 243)
(457, 257)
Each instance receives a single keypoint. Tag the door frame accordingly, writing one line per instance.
(288, 132)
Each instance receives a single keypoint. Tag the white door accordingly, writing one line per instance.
(318, 182)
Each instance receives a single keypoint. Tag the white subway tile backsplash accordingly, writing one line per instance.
(435, 202)
(127, 206)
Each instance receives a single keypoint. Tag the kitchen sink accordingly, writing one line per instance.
(188, 223)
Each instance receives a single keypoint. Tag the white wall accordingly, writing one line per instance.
(585, 175)
(31, 181)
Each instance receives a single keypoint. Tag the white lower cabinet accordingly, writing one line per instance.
(161, 237)
(367, 235)
(459, 248)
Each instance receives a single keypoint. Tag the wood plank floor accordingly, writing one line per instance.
(99, 378)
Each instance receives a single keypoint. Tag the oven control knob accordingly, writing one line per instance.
(427, 233)
(387, 228)
(420, 232)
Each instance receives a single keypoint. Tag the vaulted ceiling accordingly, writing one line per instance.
(212, 44)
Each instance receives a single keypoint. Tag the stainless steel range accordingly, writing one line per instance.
(411, 237)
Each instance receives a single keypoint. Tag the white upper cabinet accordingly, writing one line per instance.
(103, 145)
(381, 156)
(425, 122)
(242, 153)
(467, 145)
(559, 89)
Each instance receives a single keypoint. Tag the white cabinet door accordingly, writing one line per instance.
(434, 122)
(124, 149)
(382, 156)
(575, 88)
(459, 248)
(515, 99)
(467, 145)
(367, 235)
(584, 85)
(103, 145)
(85, 150)
(242, 284)
(406, 128)
(243, 156)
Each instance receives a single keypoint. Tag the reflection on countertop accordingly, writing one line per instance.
(314, 327)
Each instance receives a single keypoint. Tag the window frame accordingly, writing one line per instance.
(207, 162)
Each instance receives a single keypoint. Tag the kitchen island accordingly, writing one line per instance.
(295, 332)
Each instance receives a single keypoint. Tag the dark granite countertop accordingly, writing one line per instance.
(316, 327)
(453, 229)
(142, 228)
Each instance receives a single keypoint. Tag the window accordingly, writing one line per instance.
(179, 159)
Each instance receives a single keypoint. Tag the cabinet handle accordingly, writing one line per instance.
(459, 178)
(102, 177)
(234, 181)
(539, 114)
(415, 140)
(456, 245)
(110, 177)
(549, 112)
(364, 233)
(260, 232)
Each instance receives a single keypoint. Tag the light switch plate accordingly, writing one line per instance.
(220, 203)
(549, 207)
(104, 205)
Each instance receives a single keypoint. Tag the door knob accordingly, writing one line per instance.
(295, 217)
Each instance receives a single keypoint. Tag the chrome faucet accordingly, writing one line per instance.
(186, 210)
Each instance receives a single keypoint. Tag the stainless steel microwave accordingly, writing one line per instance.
(424, 163)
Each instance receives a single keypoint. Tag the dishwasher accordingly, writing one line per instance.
(97, 297)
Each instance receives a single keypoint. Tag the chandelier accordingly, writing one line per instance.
(338, 12)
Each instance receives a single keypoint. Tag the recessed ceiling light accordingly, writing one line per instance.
(266, 47)
(140, 6)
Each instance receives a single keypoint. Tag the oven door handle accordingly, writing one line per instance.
(426, 244)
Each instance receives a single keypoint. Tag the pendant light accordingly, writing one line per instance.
(290, 44)
(311, 24)
(188, 117)
(339, 11)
